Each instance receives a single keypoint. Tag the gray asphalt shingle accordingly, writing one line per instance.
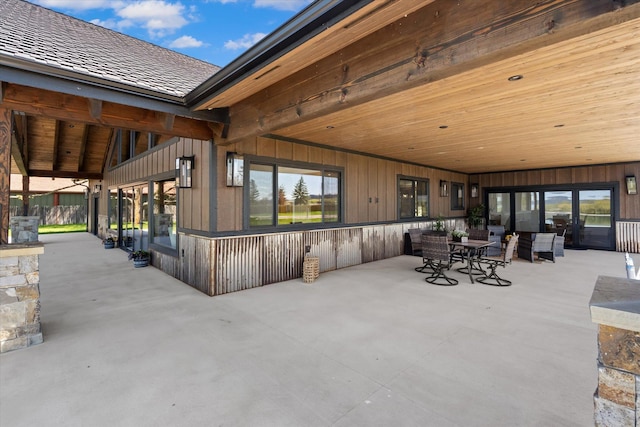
(37, 34)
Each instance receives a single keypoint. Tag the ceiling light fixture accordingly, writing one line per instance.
(515, 77)
(443, 126)
(559, 126)
(329, 127)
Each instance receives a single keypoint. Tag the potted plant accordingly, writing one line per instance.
(459, 235)
(439, 225)
(140, 258)
(475, 215)
(109, 243)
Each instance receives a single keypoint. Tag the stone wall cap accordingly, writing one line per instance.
(616, 302)
(20, 249)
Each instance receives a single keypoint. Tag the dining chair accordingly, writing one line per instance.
(493, 262)
(435, 249)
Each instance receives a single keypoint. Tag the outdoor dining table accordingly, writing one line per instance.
(470, 249)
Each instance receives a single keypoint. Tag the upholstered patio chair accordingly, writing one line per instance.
(491, 277)
(496, 235)
(544, 246)
(435, 249)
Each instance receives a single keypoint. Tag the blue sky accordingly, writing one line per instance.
(216, 31)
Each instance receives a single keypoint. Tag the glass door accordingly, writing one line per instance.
(593, 221)
(558, 214)
(135, 218)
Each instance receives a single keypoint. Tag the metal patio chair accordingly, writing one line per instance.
(491, 277)
(435, 249)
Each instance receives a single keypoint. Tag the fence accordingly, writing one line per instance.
(58, 215)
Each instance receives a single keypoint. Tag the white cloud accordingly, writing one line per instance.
(184, 42)
(112, 24)
(293, 5)
(157, 16)
(245, 42)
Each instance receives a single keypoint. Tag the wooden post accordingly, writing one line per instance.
(25, 195)
(5, 173)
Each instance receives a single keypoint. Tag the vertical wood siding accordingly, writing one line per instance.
(222, 265)
(628, 236)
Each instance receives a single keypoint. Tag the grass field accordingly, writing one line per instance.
(66, 228)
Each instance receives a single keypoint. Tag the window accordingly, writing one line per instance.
(413, 197)
(283, 195)
(457, 196)
(164, 213)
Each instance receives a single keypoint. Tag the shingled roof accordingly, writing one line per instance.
(31, 35)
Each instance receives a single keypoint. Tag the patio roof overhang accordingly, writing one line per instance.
(63, 121)
(467, 86)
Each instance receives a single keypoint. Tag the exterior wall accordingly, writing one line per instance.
(629, 208)
(194, 211)
(222, 265)
(364, 178)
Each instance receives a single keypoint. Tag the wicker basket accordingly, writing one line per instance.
(311, 268)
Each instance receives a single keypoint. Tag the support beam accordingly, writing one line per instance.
(83, 146)
(40, 102)
(95, 108)
(65, 174)
(25, 195)
(18, 146)
(438, 41)
(5, 172)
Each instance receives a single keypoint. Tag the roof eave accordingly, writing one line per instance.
(316, 18)
(29, 73)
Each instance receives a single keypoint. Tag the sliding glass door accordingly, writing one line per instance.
(135, 217)
(584, 215)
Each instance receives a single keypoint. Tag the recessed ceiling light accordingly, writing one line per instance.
(329, 127)
(559, 126)
(443, 126)
(523, 160)
(412, 148)
(578, 147)
(515, 77)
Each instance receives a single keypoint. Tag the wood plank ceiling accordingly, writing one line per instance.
(577, 103)
(453, 106)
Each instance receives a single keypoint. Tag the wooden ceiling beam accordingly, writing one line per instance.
(56, 144)
(83, 146)
(436, 42)
(64, 174)
(18, 144)
(39, 102)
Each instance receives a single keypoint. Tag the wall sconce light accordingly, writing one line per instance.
(97, 188)
(632, 186)
(235, 170)
(444, 189)
(184, 166)
(474, 190)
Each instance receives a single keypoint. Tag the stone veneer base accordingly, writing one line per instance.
(615, 307)
(20, 296)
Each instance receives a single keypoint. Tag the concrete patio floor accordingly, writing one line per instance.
(371, 345)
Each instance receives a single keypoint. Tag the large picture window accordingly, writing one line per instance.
(284, 195)
(414, 198)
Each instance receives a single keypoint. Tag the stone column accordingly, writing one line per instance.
(19, 296)
(615, 307)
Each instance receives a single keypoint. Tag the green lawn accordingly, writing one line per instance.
(66, 228)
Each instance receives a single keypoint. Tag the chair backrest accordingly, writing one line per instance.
(511, 248)
(544, 242)
(475, 234)
(435, 247)
(496, 230)
(415, 235)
